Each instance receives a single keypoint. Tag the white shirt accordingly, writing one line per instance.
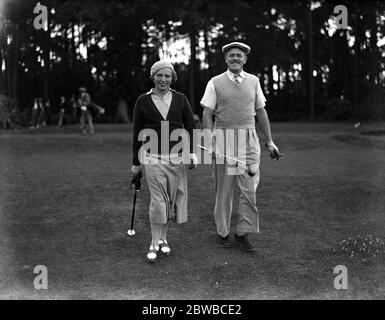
(209, 99)
(162, 104)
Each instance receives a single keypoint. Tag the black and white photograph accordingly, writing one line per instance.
(205, 152)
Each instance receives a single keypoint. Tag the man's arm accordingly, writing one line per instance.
(138, 125)
(87, 99)
(207, 118)
(208, 103)
(263, 121)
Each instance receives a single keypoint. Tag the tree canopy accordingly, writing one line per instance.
(308, 68)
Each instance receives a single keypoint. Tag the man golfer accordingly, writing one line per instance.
(235, 99)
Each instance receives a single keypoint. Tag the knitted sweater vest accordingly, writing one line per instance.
(235, 102)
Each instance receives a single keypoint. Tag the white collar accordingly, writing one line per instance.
(152, 91)
(231, 75)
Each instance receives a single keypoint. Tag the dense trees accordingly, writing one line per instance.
(308, 68)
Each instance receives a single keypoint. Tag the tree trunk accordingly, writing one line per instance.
(3, 82)
(46, 59)
(311, 81)
(73, 59)
(66, 65)
(192, 68)
(374, 70)
(355, 78)
(11, 62)
(122, 111)
(208, 53)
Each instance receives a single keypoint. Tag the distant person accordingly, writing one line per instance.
(42, 113)
(64, 111)
(236, 100)
(38, 115)
(86, 119)
(34, 116)
(48, 113)
(165, 173)
(86, 109)
(4, 114)
(75, 108)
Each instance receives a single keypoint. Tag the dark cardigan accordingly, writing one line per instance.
(147, 116)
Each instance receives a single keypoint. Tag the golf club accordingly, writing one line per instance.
(135, 185)
(231, 158)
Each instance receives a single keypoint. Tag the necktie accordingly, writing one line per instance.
(236, 79)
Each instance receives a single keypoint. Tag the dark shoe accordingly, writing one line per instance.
(224, 242)
(244, 243)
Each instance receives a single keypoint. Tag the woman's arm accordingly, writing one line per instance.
(138, 125)
(188, 121)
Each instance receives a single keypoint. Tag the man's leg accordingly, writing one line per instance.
(61, 116)
(34, 118)
(90, 123)
(248, 217)
(43, 118)
(224, 189)
(83, 122)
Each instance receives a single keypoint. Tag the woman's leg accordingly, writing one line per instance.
(163, 231)
(61, 116)
(163, 244)
(155, 235)
(154, 247)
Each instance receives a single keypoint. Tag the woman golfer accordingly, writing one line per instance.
(161, 111)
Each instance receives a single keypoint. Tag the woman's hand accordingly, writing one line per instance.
(136, 169)
(193, 161)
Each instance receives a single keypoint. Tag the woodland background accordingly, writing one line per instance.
(309, 69)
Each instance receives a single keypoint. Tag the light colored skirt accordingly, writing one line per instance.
(168, 188)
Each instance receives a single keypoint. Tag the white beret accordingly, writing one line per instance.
(244, 47)
(160, 65)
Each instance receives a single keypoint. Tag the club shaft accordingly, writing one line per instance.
(133, 211)
(222, 155)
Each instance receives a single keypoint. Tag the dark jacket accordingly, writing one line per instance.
(147, 116)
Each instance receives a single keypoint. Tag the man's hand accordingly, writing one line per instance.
(273, 149)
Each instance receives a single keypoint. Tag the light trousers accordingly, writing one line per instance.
(168, 188)
(225, 182)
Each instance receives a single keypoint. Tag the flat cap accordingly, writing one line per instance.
(244, 47)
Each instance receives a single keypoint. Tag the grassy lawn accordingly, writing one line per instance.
(65, 203)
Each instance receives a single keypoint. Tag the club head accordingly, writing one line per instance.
(131, 232)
